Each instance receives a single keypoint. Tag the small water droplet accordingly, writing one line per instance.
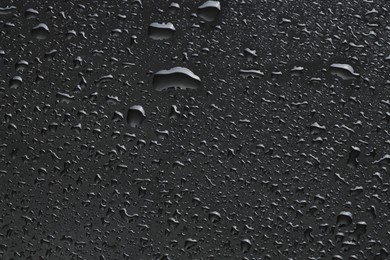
(7, 10)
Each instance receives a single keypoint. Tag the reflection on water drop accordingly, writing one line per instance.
(178, 77)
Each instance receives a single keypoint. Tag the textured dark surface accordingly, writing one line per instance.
(264, 147)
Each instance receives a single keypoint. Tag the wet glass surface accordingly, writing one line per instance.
(153, 129)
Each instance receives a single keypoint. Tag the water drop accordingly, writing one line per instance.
(135, 115)
(21, 65)
(190, 243)
(31, 13)
(250, 54)
(40, 32)
(344, 71)
(174, 113)
(209, 10)
(15, 82)
(214, 216)
(64, 97)
(246, 245)
(353, 155)
(174, 7)
(7, 10)
(161, 31)
(344, 219)
(251, 73)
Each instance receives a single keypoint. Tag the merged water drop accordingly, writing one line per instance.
(251, 73)
(7, 10)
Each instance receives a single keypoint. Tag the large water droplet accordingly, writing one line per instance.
(178, 77)
(64, 97)
(135, 115)
(344, 218)
(7, 10)
(15, 82)
(31, 13)
(251, 73)
(40, 32)
(353, 155)
(190, 243)
(161, 31)
(21, 65)
(209, 10)
(174, 8)
(214, 216)
(246, 245)
(174, 113)
(344, 71)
